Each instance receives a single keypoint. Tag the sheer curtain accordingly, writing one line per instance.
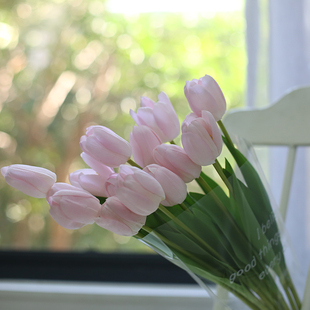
(278, 43)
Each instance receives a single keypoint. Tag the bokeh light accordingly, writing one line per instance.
(66, 65)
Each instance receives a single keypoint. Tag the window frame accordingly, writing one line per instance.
(90, 266)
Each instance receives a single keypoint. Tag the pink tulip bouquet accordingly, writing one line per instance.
(227, 234)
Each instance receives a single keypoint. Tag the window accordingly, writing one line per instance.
(66, 65)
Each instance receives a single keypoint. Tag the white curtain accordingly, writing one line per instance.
(278, 34)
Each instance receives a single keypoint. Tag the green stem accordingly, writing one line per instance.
(268, 301)
(190, 232)
(172, 142)
(132, 163)
(242, 297)
(289, 288)
(183, 206)
(220, 171)
(208, 190)
(290, 299)
(293, 290)
(138, 235)
(225, 132)
(176, 247)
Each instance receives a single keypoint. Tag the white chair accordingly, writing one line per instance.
(284, 123)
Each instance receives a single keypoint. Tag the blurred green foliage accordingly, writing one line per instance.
(65, 65)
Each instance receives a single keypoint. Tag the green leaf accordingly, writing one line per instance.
(102, 199)
(227, 225)
(256, 195)
(251, 177)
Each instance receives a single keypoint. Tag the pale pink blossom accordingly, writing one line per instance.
(91, 181)
(110, 185)
(116, 217)
(201, 138)
(72, 207)
(138, 191)
(105, 146)
(160, 117)
(143, 141)
(174, 158)
(205, 94)
(32, 181)
(100, 168)
(174, 187)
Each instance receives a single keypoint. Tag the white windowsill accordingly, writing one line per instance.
(48, 295)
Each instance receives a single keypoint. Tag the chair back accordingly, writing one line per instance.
(286, 123)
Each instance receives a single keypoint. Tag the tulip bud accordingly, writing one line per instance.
(201, 138)
(100, 168)
(32, 181)
(105, 146)
(110, 185)
(114, 216)
(160, 117)
(147, 102)
(205, 94)
(90, 181)
(138, 191)
(72, 207)
(174, 158)
(143, 141)
(174, 188)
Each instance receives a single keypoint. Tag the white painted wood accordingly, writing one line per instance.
(45, 295)
(51, 295)
(287, 183)
(287, 122)
(284, 123)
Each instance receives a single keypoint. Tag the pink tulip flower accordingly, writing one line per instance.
(174, 187)
(110, 185)
(201, 138)
(32, 181)
(143, 141)
(160, 117)
(72, 207)
(174, 158)
(205, 94)
(138, 191)
(100, 168)
(89, 180)
(116, 217)
(105, 146)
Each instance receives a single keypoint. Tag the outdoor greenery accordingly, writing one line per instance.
(65, 65)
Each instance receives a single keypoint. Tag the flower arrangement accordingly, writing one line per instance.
(228, 234)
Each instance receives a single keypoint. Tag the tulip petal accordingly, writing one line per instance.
(105, 146)
(174, 158)
(167, 121)
(143, 141)
(205, 94)
(197, 150)
(70, 204)
(63, 220)
(147, 102)
(32, 181)
(173, 186)
(137, 203)
(100, 168)
(115, 217)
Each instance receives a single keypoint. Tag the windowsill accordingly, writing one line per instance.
(49, 295)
